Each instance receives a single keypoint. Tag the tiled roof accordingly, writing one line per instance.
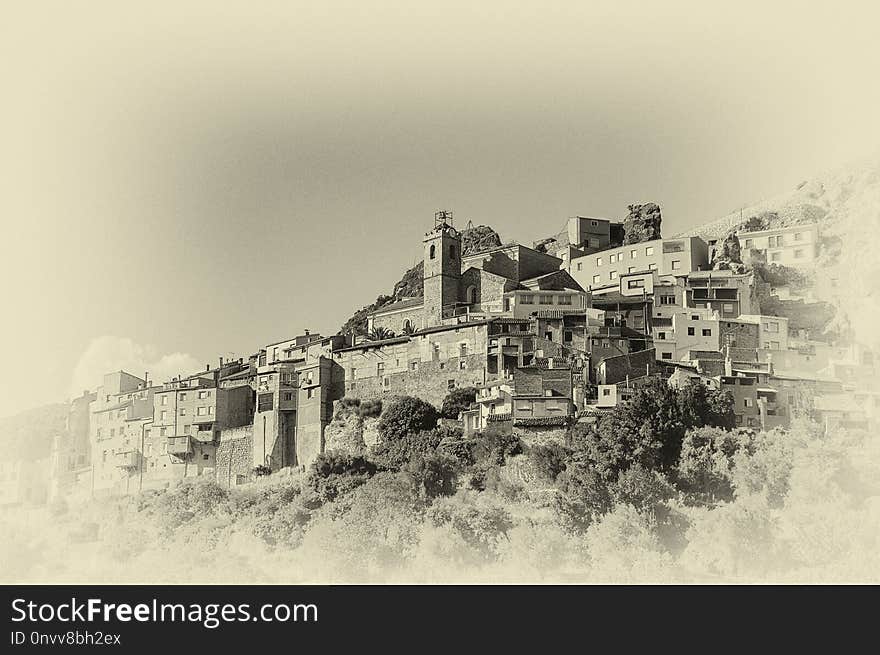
(400, 304)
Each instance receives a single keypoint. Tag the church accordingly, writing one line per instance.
(458, 288)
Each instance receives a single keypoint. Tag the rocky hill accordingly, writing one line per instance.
(473, 240)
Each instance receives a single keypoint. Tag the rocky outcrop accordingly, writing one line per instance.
(478, 238)
(351, 433)
(727, 255)
(642, 223)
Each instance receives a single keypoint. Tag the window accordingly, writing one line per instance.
(695, 317)
(567, 336)
(606, 392)
(580, 266)
(183, 411)
(386, 382)
(691, 332)
(163, 416)
(310, 392)
(748, 243)
(462, 350)
(450, 385)
(413, 366)
(773, 345)
(203, 394)
(727, 308)
(771, 326)
(798, 253)
(462, 365)
(202, 411)
(775, 257)
(527, 299)
(598, 261)
(631, 269)
(707, 332)
(432, 252)
(205, 456)
(210, 409)
(265, 402)
(652, 267)
(182, 397)
(380, 368)
(666, 355)
(633, 254)
(164, 400)
(676, 264)
(747, 402)
(563, 300)
(635, 284)
(661, 336)
(288, 395)
(612, 275)
(596, 279)
(649, 251)
(545, 300)
(163, 432)
(112, 432)
(612, 259)
(667, 300)
(594, 223)
(797, 236)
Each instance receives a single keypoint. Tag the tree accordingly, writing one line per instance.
(457, 401)
(335, 473)
(408, 415)
(706, 461)
(650, 428)
(435, 474)
(379, 333)
(549, 461)
(643, 489)
(585, 495)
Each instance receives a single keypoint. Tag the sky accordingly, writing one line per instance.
(183, 181)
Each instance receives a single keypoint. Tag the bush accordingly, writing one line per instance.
(458, 400)
(549, 461)
(334, 474)
(586, 495)
(643, 489)
(406, 416)
(495, 445)
(434, 474)
(395, 454)
(261, 469)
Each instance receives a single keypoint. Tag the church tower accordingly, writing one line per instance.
(442, 268)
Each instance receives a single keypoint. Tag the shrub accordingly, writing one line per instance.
(495, 445)
(394, 455)
(585, 495)
(261, 470)
(549, 461)
(370, 408)
(643, 489)
(406, 416)
(458, 400)
(479, 522)
(434, 474)
(334, 474)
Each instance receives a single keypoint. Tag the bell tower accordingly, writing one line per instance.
(442, 268)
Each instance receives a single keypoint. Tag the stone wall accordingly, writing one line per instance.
(234, 458)
(544, 436)
(431, 381)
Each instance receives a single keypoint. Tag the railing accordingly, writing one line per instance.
(180, 446)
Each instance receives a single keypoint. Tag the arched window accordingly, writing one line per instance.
(451, 252)
(470, 295)
(432, 251)
(407, 326)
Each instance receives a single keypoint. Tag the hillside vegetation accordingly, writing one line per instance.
(662, 490)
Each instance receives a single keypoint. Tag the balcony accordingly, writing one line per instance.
(203, 433)
(180, 446)
(127, 460)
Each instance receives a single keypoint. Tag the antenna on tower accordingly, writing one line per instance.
(443, 216)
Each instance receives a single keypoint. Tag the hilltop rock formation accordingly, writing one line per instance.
(479, 238)
(727, 255)
(642, 223)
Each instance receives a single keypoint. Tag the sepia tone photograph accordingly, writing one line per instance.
(404, 293)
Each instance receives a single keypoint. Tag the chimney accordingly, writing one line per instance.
(146, 379)
(207, 367)
(221, 362)
(307, 333)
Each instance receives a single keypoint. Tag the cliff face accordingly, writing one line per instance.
(411, 285)
(642, 223)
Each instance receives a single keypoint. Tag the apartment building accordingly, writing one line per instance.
(772, 330)
(685, 330)
(676, 257)
(797, 245)
(725, 292)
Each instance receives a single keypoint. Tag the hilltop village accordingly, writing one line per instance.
(543, 336)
